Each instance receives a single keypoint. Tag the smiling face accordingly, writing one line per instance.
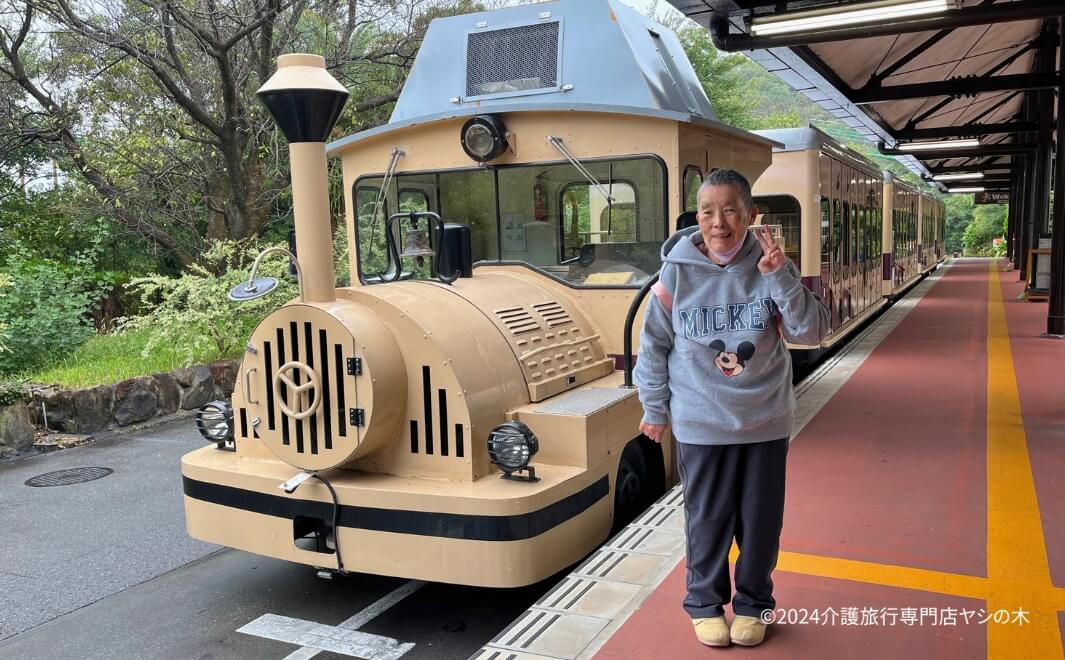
(723, 217)
(729, 364)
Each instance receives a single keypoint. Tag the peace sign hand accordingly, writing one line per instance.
(773, 257)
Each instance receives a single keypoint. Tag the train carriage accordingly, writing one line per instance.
(828, 200)
(457, 414)
(901, 259)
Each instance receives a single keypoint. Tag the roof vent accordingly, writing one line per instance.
(512, 60)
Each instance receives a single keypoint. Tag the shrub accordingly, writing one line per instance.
(192, 314)
(11, 392)
(44, 310)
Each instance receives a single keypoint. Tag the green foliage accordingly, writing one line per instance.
(45, 309)
(742, 93)
(11, 392)
(960, 209)
(192, 313)
(6, 282)
(116, 356)
(989, 223)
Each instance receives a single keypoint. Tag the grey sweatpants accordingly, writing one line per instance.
(732, 490)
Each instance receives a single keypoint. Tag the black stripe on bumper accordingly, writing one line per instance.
(419, 523)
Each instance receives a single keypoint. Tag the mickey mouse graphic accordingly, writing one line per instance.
(729, 363)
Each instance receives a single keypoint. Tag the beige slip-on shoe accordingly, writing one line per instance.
(747, 630)
(712, 631)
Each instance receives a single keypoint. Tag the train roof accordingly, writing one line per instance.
(801, 139)
(565, 55)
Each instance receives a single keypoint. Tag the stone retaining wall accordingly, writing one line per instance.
(135, 400)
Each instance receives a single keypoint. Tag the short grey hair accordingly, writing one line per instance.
(724, 177)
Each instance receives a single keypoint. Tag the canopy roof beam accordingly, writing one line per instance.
(946, 154)
(878, 77)
(956, 87)
(1006, 62)
(1022, 10)
(969, 130)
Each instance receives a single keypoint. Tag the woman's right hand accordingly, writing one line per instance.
(653, 431)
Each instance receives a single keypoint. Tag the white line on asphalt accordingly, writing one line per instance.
(354, 622)
(326, 638)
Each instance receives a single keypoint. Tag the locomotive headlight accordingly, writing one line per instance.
(484, 138)
(510, 446)
(215, 423)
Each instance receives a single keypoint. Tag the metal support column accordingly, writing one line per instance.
(1056, 308)
(1024, 228)
(1045, 117)
(1011, 219)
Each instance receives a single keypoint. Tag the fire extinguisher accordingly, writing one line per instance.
(540, 202)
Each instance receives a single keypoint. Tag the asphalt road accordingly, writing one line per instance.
(104, 569)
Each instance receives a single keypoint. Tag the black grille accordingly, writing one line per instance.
(327, 359)
(512, 59)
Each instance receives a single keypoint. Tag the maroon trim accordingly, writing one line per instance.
(887, 265)
(619, 361)
(813, 283)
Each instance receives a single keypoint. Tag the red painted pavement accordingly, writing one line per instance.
(1040, 367)
(893, 468)
(660, 629)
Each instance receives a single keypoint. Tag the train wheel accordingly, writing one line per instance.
(631, 488)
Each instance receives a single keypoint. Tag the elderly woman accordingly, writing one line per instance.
(713, 364)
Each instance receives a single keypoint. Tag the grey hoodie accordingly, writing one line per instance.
(716, 366)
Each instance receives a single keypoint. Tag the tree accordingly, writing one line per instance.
(960, 210)
(151, 102)
(989, 223)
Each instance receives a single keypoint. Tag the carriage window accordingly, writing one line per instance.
(547, 216)
(374, 258)
(825, 227)
(837, 233)
(467, 197)
(692, 180)
(583, 238)
(783, 210)
(845, 248)
(413, 200)
(588, 218)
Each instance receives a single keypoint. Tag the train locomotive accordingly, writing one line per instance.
(459, 413)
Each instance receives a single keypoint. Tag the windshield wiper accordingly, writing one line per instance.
(557, 143)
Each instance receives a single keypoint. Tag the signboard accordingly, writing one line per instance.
(992, 197)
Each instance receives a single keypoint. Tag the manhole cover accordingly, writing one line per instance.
(67, 477)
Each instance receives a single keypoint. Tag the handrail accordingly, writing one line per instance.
(630, 319)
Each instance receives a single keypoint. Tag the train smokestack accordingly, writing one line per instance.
(306, 102)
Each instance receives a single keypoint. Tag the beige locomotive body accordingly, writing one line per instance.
(389, 389)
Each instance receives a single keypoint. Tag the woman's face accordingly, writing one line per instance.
(723, 217)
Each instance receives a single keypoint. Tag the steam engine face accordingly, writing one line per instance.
(319, 396)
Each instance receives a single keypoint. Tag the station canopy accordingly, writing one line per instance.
(955, 74)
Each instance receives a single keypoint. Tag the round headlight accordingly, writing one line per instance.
(484, 138)
(510, 446)
(215, 423)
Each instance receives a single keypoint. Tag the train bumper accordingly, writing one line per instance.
(491, 532)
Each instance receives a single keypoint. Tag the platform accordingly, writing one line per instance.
(924, 514)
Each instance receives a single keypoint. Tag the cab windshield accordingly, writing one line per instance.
(548, 217)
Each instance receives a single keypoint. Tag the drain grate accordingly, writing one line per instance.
(68, 477)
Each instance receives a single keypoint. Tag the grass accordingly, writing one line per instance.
(111, 358)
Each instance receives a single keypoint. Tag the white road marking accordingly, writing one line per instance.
(326, 638)
(315, 638)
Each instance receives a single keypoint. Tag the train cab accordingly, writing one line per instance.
(457, 414)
